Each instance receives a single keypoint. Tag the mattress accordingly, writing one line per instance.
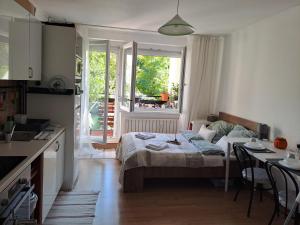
(132, 152)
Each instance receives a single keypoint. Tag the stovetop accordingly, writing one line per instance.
(8, 163)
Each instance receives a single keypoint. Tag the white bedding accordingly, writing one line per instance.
(133, 153)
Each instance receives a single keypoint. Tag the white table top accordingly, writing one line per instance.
(278, 153)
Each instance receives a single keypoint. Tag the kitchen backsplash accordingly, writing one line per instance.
(9, 99)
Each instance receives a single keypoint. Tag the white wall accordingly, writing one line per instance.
(123, 35)
(261, 74)
(145, 39)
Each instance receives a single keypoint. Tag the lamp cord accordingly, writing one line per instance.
(177, 6)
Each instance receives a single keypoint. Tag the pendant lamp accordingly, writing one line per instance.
(176, 26)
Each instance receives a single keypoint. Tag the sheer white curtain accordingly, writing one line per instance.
(202, 75)
(84, 132)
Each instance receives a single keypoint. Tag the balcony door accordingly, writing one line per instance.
(99, 74)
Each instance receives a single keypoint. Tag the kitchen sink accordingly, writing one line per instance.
(23, 135)
(8, 163)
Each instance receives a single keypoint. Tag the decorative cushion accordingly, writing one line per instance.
(206, 133)
(191, 135)
(260, 175)
(222, 128)
(241, 132)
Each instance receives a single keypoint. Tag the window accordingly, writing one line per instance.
(129, 70)
(156, 83)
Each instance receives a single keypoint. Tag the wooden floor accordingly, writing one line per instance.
(167, 203)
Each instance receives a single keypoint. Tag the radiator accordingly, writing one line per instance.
(151, 125)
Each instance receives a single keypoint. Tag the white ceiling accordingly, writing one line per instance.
(207, 16)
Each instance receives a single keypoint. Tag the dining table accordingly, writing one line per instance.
(270, 153)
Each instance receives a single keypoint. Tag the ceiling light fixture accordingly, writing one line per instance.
(176, 26)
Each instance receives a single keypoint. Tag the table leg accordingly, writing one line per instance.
(227, 166)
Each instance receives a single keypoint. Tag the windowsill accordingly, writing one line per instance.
(156, 113)
(152, 111)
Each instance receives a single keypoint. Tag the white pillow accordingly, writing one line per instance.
(206, 133)
(223, 143)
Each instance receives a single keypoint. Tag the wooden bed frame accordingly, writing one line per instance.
(134, 178)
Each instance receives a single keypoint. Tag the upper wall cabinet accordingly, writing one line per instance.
(25, 48)
(20, 43)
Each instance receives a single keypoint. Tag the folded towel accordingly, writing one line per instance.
(145, 136)
(157, 147)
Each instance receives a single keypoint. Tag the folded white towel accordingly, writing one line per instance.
(154, 145)
(157, 147)
(145, 136)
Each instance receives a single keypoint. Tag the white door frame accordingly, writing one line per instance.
(107, 65)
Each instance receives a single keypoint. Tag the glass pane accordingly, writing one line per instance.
(127, 77)
(97, 78)
(97, 63)
(157, 83)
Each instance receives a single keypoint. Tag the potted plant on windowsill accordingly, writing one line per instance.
(164, 96)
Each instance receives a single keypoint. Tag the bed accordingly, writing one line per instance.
(183, 161)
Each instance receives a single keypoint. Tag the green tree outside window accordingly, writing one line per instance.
(152, 75)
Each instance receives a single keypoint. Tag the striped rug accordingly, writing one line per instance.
(76, 208)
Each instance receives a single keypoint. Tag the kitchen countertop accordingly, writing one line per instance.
(32, 149)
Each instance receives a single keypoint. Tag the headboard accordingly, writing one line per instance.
(262, 130)
(251, 125)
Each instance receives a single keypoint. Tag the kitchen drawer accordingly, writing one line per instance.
(53, 169)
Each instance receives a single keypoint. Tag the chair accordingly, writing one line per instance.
(255, 176)
(285, 190)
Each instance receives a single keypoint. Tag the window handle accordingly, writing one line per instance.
(58, 146)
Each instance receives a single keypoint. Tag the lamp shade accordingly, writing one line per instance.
(176, 27)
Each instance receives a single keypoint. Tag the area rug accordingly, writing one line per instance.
(76, 208)
(87, 151)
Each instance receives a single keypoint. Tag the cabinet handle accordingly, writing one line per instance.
(30, 72)
(58, 146)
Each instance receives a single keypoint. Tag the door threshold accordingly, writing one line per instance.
(108, 145)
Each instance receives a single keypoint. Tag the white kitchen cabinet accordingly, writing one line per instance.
(60, 161)
(53, 168)
(59, 60)
(35, 49)
(25, 50)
